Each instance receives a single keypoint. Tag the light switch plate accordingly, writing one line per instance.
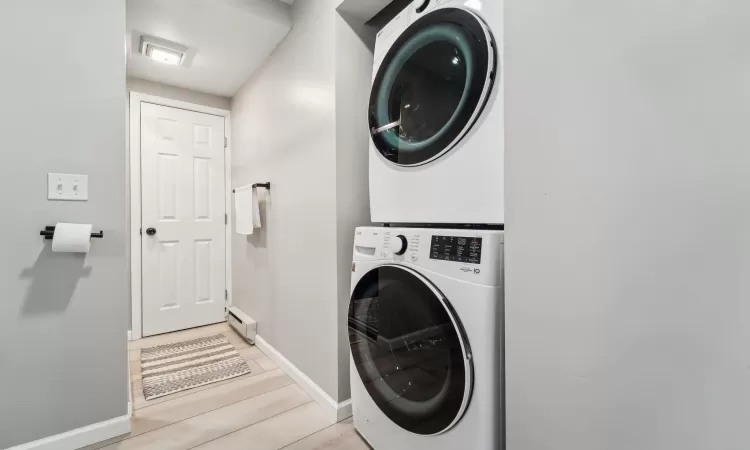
(62, 186)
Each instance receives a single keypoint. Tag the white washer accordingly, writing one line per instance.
(436, 115)
(426, 337)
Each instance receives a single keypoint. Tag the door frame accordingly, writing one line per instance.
(134, 192)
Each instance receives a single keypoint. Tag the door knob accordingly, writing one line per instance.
(151, 231)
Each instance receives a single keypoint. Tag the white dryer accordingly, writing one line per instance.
(436, 115)
(426, 337)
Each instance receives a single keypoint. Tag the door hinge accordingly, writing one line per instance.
(141, 231)
(225, 141)
(226, 219)
(226, 295)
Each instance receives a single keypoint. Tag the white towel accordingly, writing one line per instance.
(246, 210)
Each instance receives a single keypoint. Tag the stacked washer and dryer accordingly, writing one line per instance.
(426, 311)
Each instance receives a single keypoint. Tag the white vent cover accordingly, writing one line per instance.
(163, 51)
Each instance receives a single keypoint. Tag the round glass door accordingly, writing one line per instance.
(431, 86)
(409, 350)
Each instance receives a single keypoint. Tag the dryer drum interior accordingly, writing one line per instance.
(409, 350)
(431, 86)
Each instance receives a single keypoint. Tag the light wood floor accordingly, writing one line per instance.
(263, 410)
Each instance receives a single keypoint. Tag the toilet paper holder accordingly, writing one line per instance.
(49, 233)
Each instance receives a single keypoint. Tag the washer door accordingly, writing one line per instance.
(409, 350)
(432, 86)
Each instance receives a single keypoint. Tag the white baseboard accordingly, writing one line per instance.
(81, 437)
(336, 412)
(344, 410)
(130, 384)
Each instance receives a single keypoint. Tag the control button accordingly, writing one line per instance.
(414, 257)
(399, 245)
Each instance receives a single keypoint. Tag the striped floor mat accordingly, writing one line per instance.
(171, 368)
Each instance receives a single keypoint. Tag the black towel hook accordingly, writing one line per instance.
(259, 185)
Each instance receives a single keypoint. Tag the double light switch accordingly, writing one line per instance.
(61, 186)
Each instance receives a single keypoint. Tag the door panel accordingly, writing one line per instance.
(409, 350)
(431, 86)
(182, 177)
(203, 271)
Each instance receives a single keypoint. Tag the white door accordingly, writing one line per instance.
(183, 225)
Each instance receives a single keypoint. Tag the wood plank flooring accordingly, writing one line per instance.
(263, 410)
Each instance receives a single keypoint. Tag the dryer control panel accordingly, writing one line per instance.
(471, 255)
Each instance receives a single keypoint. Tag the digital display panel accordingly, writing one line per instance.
(456, 249)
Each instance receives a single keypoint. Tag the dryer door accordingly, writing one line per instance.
(410, 350)
(432, 86)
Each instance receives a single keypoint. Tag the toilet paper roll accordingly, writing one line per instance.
(72, 238)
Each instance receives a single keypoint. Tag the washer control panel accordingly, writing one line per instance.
(473, 255)
(456, 248)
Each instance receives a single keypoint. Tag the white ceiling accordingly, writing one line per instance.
(228, 40)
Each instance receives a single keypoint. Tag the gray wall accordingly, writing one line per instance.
(628, 257)
(354, 56)
(177, 93)
(63, 318)
(300, 122)
(283, 131)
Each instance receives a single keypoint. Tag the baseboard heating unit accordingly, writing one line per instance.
(242, 323)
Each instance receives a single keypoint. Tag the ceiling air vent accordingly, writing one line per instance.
(163, 51)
